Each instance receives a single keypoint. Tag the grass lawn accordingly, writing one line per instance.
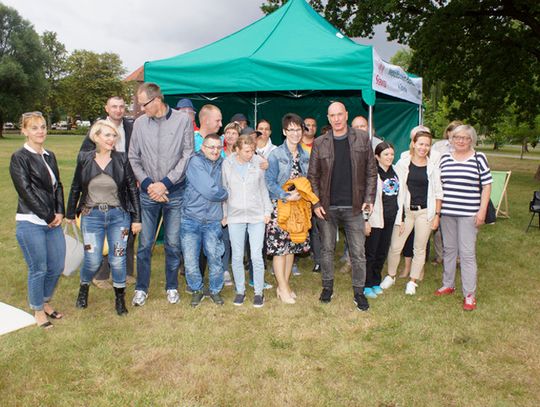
(406, 351)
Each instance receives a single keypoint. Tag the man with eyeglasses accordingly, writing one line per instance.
(161, 145)
(343, 174)
(201, 220)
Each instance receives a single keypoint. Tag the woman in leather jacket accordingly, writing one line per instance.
(40, 211)
(105, 194)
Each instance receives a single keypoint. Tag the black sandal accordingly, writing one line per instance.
(46, 325)
(54, 315)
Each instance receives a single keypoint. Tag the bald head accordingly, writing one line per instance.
(360, 123)
(337, 117)
(210, 119)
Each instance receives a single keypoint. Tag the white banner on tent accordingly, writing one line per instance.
(393, 80)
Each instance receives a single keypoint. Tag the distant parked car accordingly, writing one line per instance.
(84, 123)
(59, 126)
(9, 126)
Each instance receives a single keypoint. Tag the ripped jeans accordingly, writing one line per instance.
(96, 225)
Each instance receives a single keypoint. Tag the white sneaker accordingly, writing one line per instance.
(410, 289)
(139, 298)
(227, 280)
(388, 282)
(172, 296)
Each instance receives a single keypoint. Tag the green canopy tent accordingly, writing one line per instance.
(293, 60)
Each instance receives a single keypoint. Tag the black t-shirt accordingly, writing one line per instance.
(341, 184)
(390, 189)
(417, 182)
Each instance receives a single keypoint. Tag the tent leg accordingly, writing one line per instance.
(370, 122)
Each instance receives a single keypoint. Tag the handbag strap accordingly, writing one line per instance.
(479, 172)
(73, 230)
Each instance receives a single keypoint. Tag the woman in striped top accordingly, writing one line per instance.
(466, 180)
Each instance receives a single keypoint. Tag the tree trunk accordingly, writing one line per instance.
(537, 175)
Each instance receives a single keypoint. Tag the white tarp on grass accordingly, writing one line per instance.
(12, 318)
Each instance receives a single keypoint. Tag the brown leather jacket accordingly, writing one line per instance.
(364, 169)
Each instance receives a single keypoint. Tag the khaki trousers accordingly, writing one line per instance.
(422, 229)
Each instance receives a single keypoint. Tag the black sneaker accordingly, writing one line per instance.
(196, 298)
(239, 299)
(258, 301)
(361, 302)
(316, 268)
(326, 295)
(217, 299)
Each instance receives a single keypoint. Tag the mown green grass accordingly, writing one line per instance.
(406, 351)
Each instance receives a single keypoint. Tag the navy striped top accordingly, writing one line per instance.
(460, 181)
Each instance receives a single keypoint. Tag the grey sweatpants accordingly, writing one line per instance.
(459, 239)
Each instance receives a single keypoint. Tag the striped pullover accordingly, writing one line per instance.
(460, 181)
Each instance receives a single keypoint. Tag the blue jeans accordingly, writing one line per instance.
(114, 224)
(150, 211)
(195, 234)
(44, 250)
(237, 233)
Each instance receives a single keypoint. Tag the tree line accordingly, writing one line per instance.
(479, 59)
(37, 73)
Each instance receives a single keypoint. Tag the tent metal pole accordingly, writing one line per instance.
(370, 122)
(256, 109)
(420, 115)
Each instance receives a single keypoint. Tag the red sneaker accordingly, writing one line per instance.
(445, 291)
(469, 303)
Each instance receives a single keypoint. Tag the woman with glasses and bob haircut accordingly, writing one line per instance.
(285, 162)
(105, 194)
(40, 211)
(466, 181)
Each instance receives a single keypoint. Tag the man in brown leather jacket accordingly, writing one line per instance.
(343, 174)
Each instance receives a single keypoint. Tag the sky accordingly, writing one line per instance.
(143, 30)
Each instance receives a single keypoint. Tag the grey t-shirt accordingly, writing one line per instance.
(102, 190)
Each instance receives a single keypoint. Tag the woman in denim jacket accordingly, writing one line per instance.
(285, 162)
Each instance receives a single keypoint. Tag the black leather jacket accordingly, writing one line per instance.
(33, 184)
(121, 172)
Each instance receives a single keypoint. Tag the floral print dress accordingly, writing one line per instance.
(278, 242)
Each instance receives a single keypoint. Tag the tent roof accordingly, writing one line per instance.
(294, 48)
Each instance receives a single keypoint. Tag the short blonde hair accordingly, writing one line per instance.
(450, 128)
(100, 127)
(233, 126)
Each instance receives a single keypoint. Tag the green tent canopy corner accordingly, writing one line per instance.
(293, 60)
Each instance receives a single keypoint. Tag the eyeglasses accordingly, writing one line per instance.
(294, 130)
(30, 114)
(147, 103)
(461, 138)
(213, 147)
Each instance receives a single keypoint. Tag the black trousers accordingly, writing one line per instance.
(377, 246)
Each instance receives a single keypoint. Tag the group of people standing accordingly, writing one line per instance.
(237, 193)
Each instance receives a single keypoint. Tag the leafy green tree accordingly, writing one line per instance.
(90, 80)
(55, 69)
(485, 51)
(22, 84)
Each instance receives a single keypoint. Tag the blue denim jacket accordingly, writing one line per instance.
(280, 163)
(204, 189)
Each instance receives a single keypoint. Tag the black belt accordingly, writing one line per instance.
(417, 207)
